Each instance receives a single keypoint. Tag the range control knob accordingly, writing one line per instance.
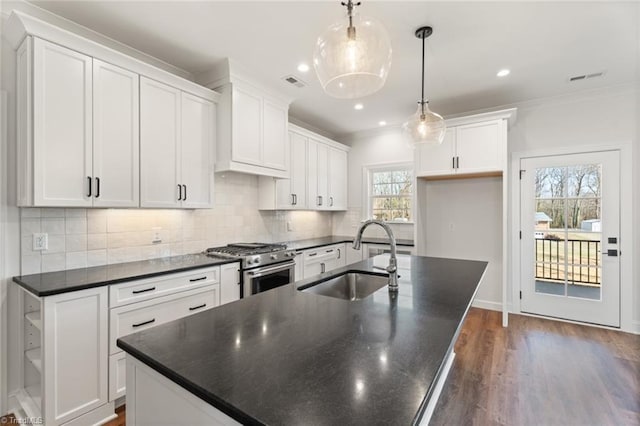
(274, 256)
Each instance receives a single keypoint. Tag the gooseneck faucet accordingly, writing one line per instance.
(392, 268)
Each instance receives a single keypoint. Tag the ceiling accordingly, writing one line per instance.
(542, 43)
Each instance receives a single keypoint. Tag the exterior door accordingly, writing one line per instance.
(570, 224)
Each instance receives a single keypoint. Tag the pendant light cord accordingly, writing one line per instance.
(422, 99)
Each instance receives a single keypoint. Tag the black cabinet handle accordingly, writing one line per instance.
(197, 307)
(453, 162)
(339, 254)
(295, 197)
(198, 279)
(140, 324)
(457, 162)
(97, 187)
(90, 185)
(329, 251)
(330, 201)
(143, 291)
(179, 192)
(322, 268)
(185, 192)
(312, 254)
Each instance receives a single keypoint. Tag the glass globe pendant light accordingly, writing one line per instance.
(425, 126)
(352, 58)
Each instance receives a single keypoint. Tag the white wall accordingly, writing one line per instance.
(369, 149)
(473, 207)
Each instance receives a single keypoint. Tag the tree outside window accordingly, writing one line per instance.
(391, 193)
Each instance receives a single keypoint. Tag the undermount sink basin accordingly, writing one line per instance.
(349, 286)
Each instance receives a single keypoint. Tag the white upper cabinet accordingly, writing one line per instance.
(80, 120)
(317, 175)
(176, 139)
(61, 126)
(198, 133)
(473, 146)
(159, 144)
(116, 149)
(337, 179)
(253, 121)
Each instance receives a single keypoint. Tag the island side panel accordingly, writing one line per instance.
(153, 399)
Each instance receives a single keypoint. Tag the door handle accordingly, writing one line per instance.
(322, 268)
(193, 308)
(293, 199)
(90, 185)
(97, 187)
(330, 201)
(185, 193)
(611, 252)
(140, 324)
(179, 192)
(143, 290)
(193, 280)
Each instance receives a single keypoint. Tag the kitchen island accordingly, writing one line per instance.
(290, 357)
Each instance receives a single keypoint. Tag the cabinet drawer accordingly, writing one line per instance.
(136, 291)
(117, 375)
(140, 316)
(323, 254)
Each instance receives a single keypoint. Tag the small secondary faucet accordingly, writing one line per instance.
(392, 268)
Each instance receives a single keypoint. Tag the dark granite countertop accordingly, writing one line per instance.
(51, 283)
(287, 357)
(336, 239)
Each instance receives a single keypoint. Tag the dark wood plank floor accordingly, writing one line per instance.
(540, 372)
(536, 372)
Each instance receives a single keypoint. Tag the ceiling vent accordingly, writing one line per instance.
(586, 76)
(292, 79)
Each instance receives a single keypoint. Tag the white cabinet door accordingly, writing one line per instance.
(75, 353)
(434, 160)
(337, 179)
(298, 168)
(313, 202)
(159, 144)
(274, 136)
(116, 167)
(323, 176)
(229, 283)
(479, 147)
(247, 127)
(198, 118)
(62, 124)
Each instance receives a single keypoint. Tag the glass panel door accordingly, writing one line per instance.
(568, 204)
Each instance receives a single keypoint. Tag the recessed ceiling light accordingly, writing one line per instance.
(303, 67)
(358, 107)
(503, 73)
(382, 123)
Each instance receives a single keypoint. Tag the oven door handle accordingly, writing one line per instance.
(281, 267)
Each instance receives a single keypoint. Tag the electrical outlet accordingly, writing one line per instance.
(289, 226)
(40, 241)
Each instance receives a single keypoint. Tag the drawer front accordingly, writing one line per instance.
(140, 316)
(136, 291)
(117, 375)
(324, 254)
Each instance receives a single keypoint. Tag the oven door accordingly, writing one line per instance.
(269, 277)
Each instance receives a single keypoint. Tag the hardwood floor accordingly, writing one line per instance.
(536, 372)
(540, 372)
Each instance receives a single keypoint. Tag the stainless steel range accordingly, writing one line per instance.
(263, 266)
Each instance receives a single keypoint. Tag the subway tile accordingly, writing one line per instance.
(96, 223)
(75, 212)
(29, 226)
(52, 212)
(96, 241)
(53, 262)
(53, 226)
(96, 258)
(77, 242)
(29, 212)
(31, 264)
(75, 260)
(56, 244)
(76, 225)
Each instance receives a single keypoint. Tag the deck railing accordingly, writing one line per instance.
(583, 260)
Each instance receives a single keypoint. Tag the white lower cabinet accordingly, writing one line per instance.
(322, 259)
(64, 370)
(72, 371)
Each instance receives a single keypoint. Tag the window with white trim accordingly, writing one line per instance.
(390, 196)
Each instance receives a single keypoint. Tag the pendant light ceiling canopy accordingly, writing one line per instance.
(425, 126)
(352, 57)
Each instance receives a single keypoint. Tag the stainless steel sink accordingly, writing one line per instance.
(349, 286)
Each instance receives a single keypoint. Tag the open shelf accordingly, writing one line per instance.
(35, 357)
(35, 319)
(30, 401)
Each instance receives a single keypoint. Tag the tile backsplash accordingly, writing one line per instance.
(91, 237)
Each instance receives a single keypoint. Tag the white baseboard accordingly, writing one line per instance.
(635, 327)
(487, 304)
